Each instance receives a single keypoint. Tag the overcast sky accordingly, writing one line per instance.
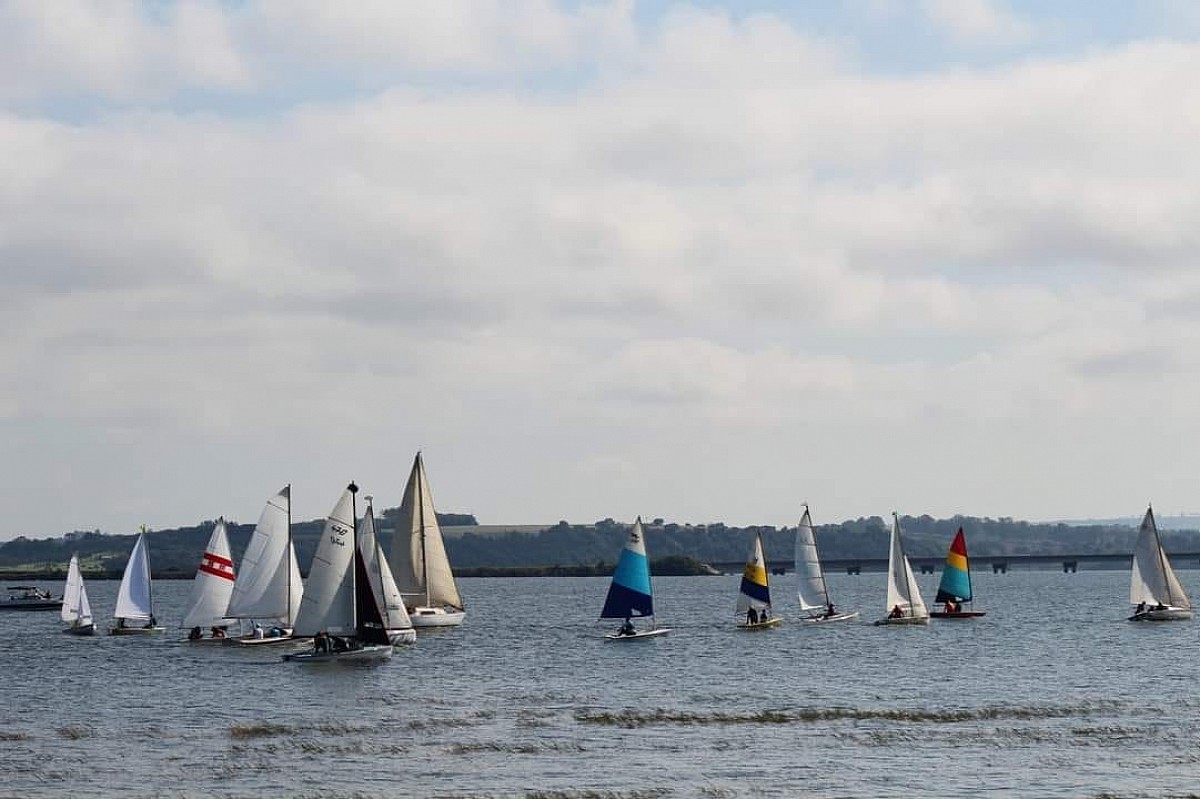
(703, 261)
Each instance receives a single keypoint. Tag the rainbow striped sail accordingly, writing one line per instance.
(956, 577)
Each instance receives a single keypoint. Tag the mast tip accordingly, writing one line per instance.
(352, 488)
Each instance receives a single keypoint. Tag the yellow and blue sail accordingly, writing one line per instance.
(630, 593)
(754, 591)
(956, 576)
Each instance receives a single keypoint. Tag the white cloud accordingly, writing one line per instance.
(729, 246)
(977, 21)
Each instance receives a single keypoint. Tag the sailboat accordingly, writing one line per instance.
(955, 587)
(630, 593)
(383, 584)
(211, 589)
(814, 593)
(754, 596)
(135, 598)
(904, 602)
(268, 587)
(1153, 588)
(338, 610)
(76, 610)
(422, 569)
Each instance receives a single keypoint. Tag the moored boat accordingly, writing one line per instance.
(29, 597)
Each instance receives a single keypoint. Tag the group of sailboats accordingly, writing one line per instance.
(352, 593)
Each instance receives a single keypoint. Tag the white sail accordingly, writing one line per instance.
(383, 585)
(810, 580)
(133, 598)
(268, 585)
(902, 585)
(328, 602)
(421, 567)
(213, 585)
(1153, 580)
(75, 607)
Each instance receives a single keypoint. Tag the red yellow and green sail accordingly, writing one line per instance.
(956, 576)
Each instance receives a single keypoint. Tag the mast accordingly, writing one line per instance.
(820, 569)
(290, 552)
(421, 505)
(149, 582)
(1162, 556)
(353, 489)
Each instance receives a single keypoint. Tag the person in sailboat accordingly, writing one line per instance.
(951, 606)
(627, 628)
(195, 634)
(896, 613)
(217, 632)
(258, 631)
(830, 612)
(320, 642)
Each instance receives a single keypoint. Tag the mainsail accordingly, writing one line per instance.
(328, 602)
(379, 574)
(76, 608)
(754, 592)
(902, 585)
(134, 600)
(214, 582)
(268, 585)
(630, 593)
(1153, 580)
(422, 568)
(814, 594)
(955, 585)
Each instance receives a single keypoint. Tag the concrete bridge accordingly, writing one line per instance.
(997, 564)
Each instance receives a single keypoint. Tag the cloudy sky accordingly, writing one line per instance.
(704, 260)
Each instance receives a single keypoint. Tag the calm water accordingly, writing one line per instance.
(1051, 695)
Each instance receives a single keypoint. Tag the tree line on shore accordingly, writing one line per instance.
(581, 549)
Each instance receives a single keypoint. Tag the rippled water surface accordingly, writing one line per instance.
(1052, 694)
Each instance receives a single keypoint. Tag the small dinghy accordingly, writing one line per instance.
(630, 594)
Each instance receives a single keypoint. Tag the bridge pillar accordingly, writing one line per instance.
(1070, 566)
(854, 569)
(926, 569)
(1000, 567)
(778, 571)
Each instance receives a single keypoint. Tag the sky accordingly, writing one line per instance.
(705, 261)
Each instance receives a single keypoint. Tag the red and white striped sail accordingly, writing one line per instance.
(214, 583)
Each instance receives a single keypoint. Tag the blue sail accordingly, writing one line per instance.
(630, 593)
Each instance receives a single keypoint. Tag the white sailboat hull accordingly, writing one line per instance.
(400, 637)
(903, 620)
(250, 640)
(1164, 614)
(367, 654)
(135, 630)
(436, 617)
(639, 635)
(822, 618)
(761, 625)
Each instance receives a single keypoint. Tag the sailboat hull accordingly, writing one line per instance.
(1165, 614)
(639, 635)
(905, 620)
(80, 629)
(135, 630)
(823, 618)
(761, 625)
(399, 637)
(436, 617)
(956, 614)
(367, 654)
